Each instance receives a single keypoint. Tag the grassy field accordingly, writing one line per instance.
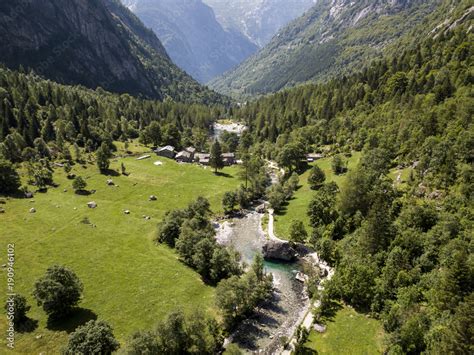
(128, 280)
(298, 206)
(349, 333)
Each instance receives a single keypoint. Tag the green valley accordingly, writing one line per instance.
(129, 281)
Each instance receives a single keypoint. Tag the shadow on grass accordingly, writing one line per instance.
(307, 351)
(283, 209)
(83, 192)
(69, 323)
(330, 311)
(220, 173)
(27, 326)
(14, 194)
(110, 172)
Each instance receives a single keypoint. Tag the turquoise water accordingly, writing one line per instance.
(279, 315)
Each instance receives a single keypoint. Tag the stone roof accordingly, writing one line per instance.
(168, 147)
(202, 156)
(183, 154)
(314, 156)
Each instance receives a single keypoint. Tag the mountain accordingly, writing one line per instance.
(332, 37)
(93, 43)
(259, 20)
(194, 39)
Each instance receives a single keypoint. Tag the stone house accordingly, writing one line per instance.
(184, 157)
(167, 152)
(229, 158)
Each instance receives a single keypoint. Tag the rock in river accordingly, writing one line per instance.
(279, 250)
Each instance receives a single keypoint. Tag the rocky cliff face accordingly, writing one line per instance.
(88, 42)
(259, 20)
(331, 37)
(194, 39)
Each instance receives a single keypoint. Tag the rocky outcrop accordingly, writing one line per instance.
(279, 250)
(259, 20)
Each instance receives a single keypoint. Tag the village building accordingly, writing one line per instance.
(184, 157)
(311, 157)
(167, 152)
(191, 150)
(229, 158)
(202, 158)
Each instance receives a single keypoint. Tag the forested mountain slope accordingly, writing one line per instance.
(194, 39)
(332, 37)
(259, 20)
(401, 248)
(93, 43)
(35, 113)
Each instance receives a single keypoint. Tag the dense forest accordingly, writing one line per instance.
(35, 112)
(401, 251)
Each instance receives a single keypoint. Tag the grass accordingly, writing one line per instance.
(128, 280)
(298, 205)
(404, 175)
(348, 333)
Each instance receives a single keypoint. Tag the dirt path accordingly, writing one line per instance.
(309, 318)
(271, 226)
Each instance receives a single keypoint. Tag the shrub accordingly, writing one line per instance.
(79, 184)
(58, 291)
(95, 337)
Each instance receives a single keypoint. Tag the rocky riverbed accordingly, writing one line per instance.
(277, 318)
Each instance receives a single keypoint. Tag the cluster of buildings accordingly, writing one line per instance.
(189, 155)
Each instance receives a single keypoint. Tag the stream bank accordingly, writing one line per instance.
(278, 317)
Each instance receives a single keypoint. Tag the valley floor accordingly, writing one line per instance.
(348, 332)
(128, 280)
(298, 206)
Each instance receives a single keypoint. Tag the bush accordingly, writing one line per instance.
(277, 197)
(95, 337)
(79, 184)
(103, 156)
(338, 165)
(58, 291)
(316, 178)
(229, 201)
(179, 334)
(293, 182)
(20, 307)
(298, 232)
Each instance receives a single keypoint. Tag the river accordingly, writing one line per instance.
(278, 317)
(232, 127)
